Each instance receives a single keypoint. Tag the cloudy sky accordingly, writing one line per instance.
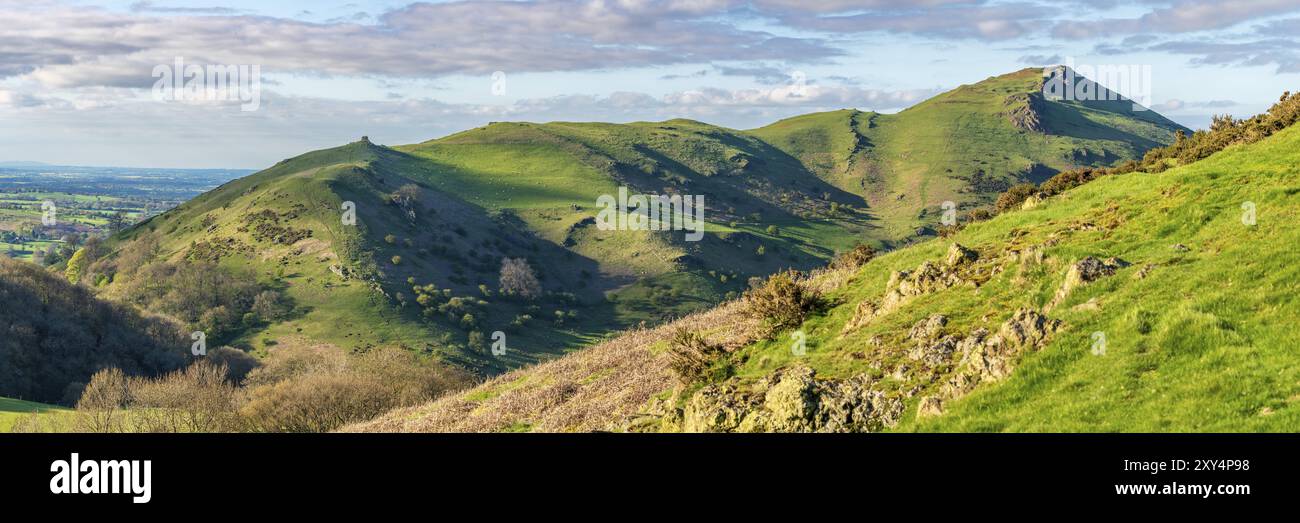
(77, 77)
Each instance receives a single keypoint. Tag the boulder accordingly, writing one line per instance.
(929, 328)
(959, 255)
(793, 400)
(1083, 272)
(929, 406)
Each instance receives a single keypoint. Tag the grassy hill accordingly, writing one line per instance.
(421, 271)
(1136, 302)
(964, 146)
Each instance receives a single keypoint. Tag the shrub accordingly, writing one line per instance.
(1014, 197)
(781, 302)
(271, 306)
(237, 362)
(197, 399)
(853, 258)
(692, 355)
(297, 391)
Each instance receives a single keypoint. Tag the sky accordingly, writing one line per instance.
(79, 79)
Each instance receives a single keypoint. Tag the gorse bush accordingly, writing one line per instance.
(853, 258)
(780, 302)
(692, 355)
(1014, 197)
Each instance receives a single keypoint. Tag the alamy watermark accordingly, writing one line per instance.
(1098, 343)
(91, 476)
(180, 82)
(1086, 83)
(649, 212)
(49, 214)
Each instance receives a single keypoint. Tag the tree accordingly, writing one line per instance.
(518, 278)
(76, 265)
(270, 306)
(118, 221)
(406, 197)
(100, 403)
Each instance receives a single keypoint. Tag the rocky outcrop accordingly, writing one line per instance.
(932, 349)
(929, 406)
(1024, 111)
(1083, 272)
(792, 400)
(986, 358)
(929, 277)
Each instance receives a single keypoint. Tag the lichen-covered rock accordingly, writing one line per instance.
(995, 358)
(793, 400)
(716, 408)
(1083, 272)
(929, 406)
(789, 405)
(959, 255)
(934, 353)
(929, 328)
(862, 314)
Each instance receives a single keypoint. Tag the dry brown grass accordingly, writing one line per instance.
(594, 389)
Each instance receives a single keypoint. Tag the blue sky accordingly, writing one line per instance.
(76, 76)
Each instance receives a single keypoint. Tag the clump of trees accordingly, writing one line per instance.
(201, 295)
(197, 398)
(295, 389)
(57, 335)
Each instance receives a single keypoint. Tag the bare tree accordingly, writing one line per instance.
(99, 409)
(517, 278)
(406, 197)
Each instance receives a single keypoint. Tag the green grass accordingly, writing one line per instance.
(1202, 343)
(13, 411)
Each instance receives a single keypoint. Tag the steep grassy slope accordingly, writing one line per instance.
(1137, 302)
(964, 146)
(354, 286)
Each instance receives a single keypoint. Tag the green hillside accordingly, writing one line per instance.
(1145, 301)
(964, 146)
(268, 262)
